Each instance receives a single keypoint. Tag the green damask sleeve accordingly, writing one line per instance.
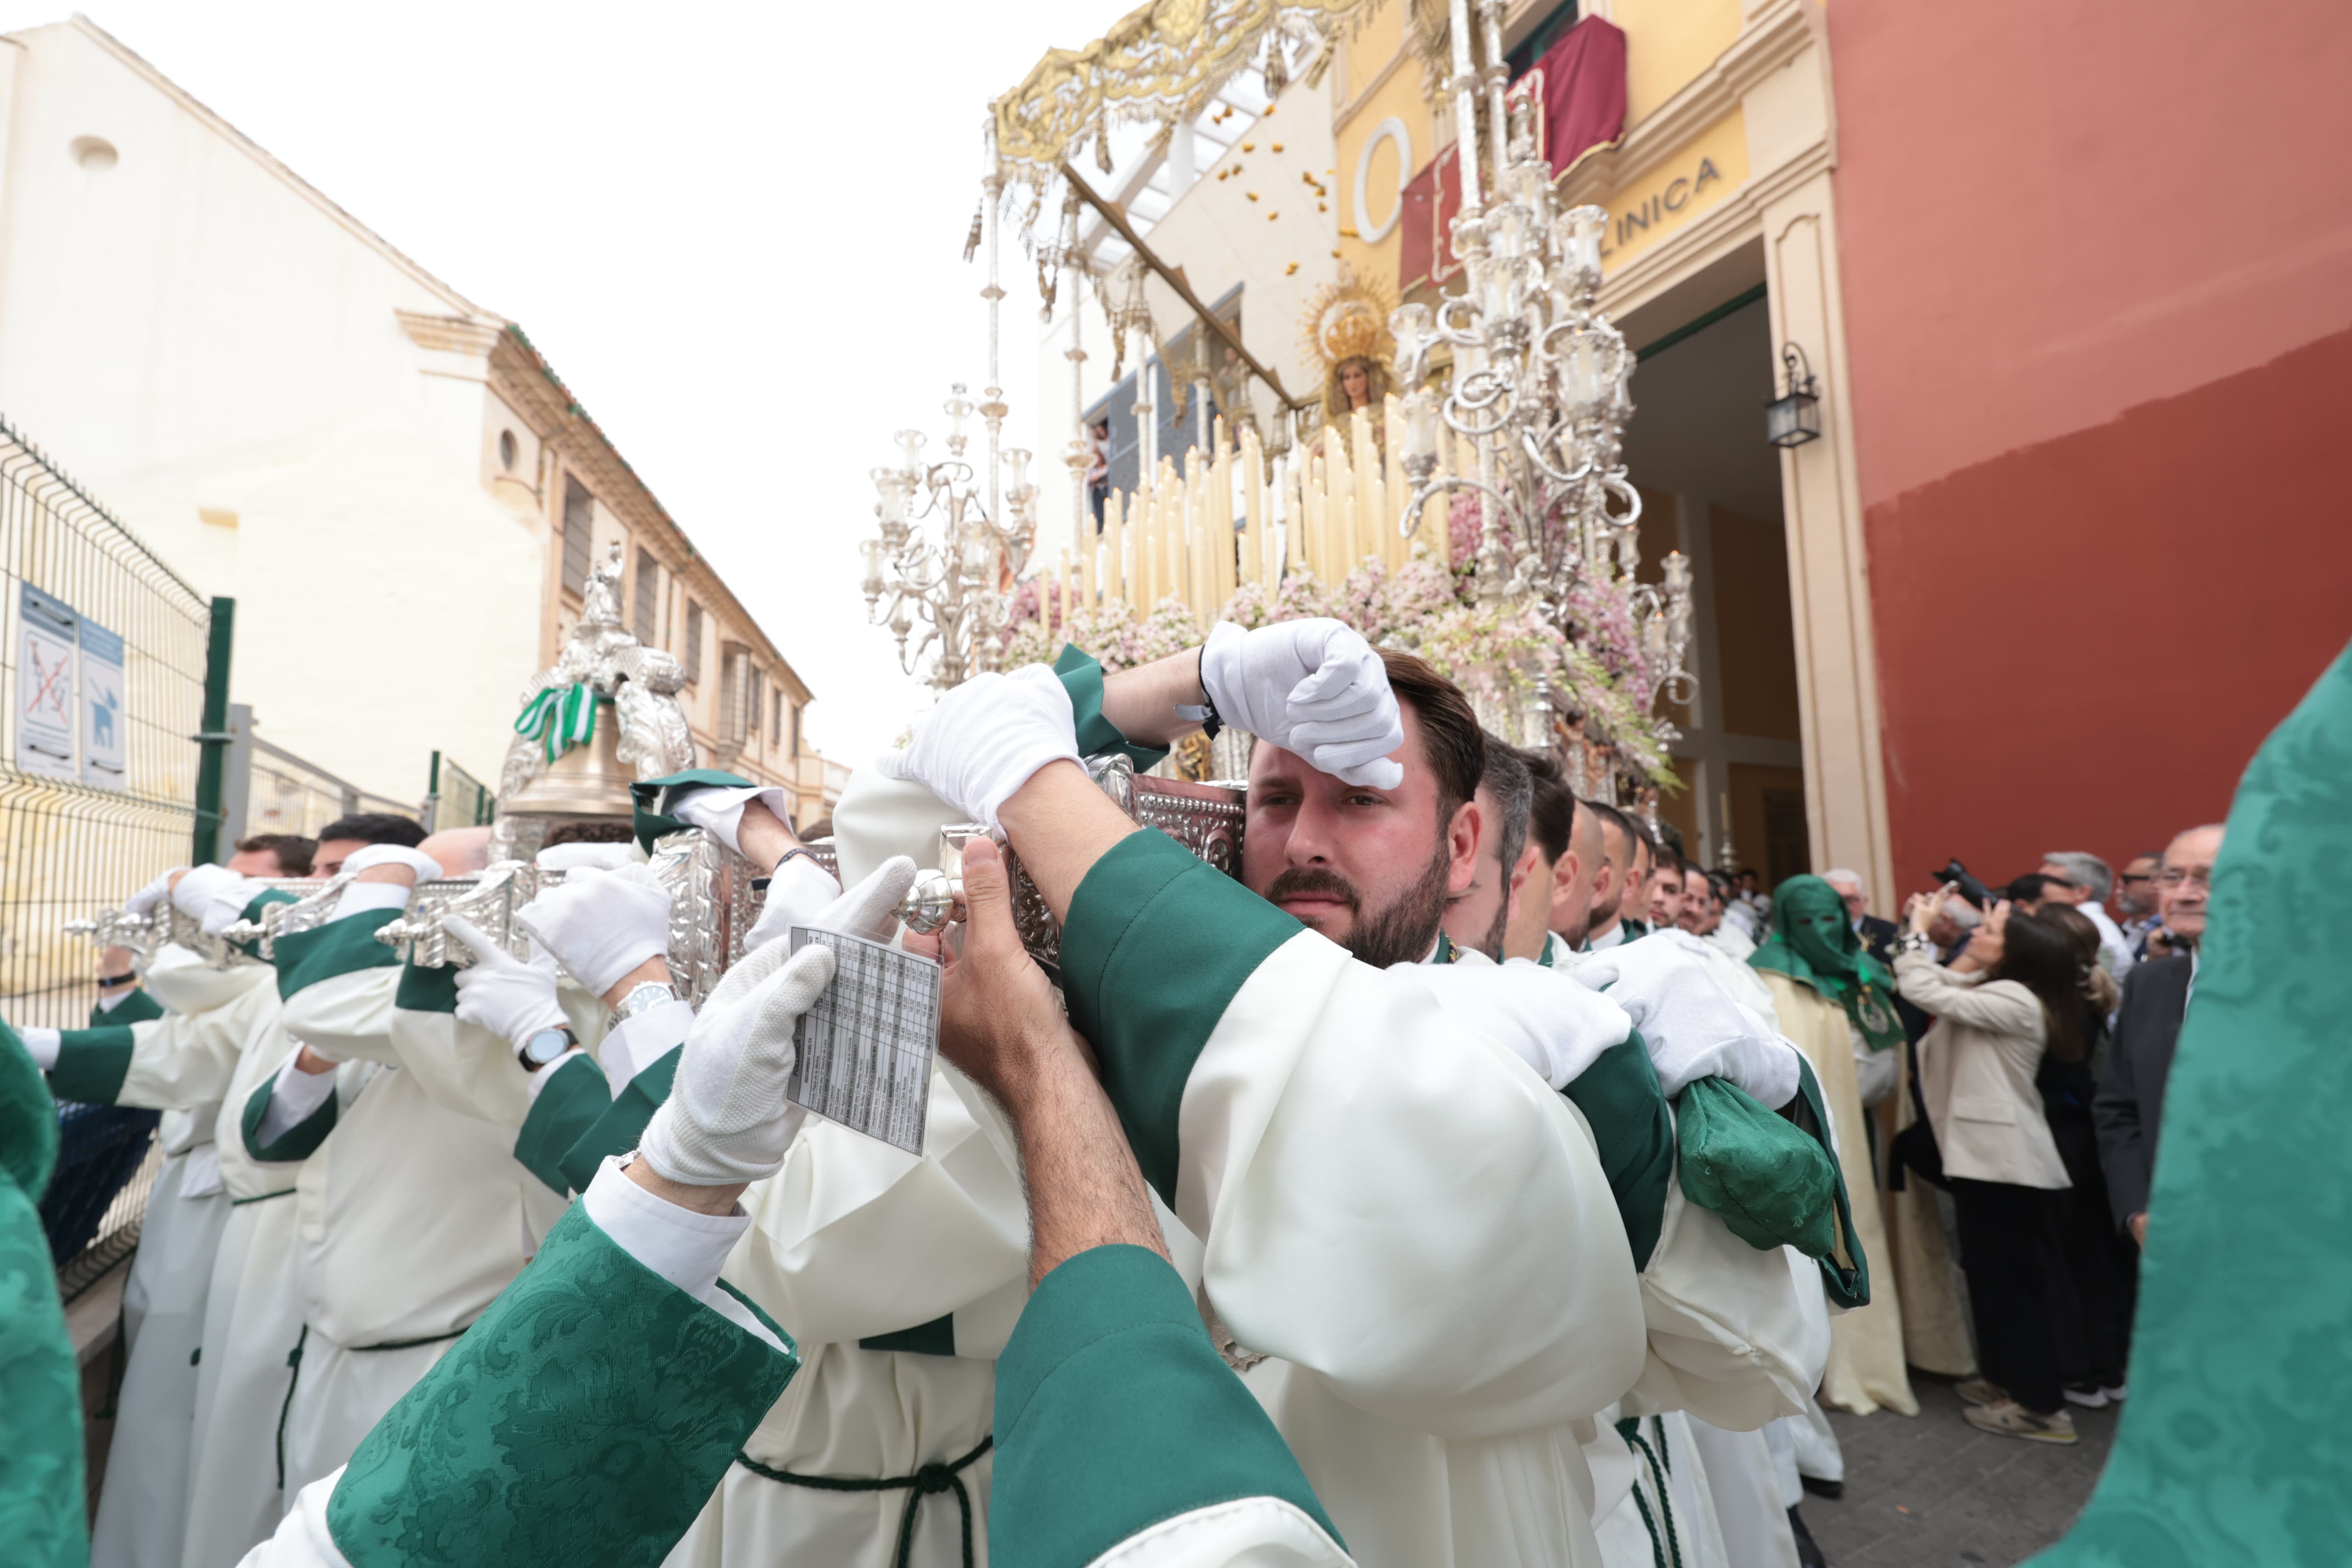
(1114, 1412)
(586, 1417)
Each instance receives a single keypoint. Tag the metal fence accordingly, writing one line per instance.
(102, 669)
(268, 789)
(455, 798)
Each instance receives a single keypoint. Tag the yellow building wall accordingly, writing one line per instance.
(1363, 98)
(1667, 43)
(1676, 189)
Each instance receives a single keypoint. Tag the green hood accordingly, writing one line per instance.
(1812, 940)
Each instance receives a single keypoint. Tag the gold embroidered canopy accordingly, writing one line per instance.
(1160, 64)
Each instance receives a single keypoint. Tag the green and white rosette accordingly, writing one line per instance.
(559, 719)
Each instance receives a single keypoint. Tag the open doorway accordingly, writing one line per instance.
(1710, 486)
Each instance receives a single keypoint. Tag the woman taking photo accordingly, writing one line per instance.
(2019, 996)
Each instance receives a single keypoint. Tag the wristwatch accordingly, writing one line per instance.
(643, 998)
(1915, 941)
(545, 1046)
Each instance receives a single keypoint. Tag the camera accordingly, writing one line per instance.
(1967, 887)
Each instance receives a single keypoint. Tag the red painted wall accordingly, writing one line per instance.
(2097, 263)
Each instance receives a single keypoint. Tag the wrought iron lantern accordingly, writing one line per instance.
(1794, 417)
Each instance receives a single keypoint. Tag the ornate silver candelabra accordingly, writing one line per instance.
(1540, 383)
(941, 559)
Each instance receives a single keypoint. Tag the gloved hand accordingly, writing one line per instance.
(986, 738)
(726, 1119)
(1313, 687)
(1540, 1016)
(601, 924)
(42, 1045)
(427, 868)
(717, 809)
(144, 900)
(603, 857)
(513, 1000)
(214, 896)
(1693, 1026)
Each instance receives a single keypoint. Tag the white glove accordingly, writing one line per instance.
(601, 924)
(986, 738)
(717, 809)
(726, 1119)
(144, 900)
(513, 1000)
(603, 857)
(427, 868)
(1313, 687)
(1540, 1016)
(43, 1046)
(214, 896)
(1693, 1027)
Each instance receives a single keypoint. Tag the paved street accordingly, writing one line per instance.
(1932, 1491)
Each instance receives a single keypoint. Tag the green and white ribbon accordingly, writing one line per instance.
(560, 718)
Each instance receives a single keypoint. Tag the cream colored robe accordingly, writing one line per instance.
(1867, 1367)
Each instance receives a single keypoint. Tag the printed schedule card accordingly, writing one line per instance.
(866, 1049)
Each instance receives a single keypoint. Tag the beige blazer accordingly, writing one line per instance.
(1976, 1073)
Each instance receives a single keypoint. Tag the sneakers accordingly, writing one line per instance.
(1977, 1391)
(2115, 1392)
(2010, 1419)
(2089, 1395)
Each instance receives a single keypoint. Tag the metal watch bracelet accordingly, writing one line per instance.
(643, 998)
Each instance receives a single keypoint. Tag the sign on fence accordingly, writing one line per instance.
(103, 716)
(45, 685)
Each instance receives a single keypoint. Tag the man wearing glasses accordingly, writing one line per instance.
(2130, 1104)
(2136, 902)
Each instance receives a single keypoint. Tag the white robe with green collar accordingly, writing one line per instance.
(604, 1395)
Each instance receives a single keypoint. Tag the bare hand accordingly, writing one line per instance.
(2139, 1227)
(1920, 911)
(999, 1020)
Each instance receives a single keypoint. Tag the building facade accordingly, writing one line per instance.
(2074, 352)
(390, 480)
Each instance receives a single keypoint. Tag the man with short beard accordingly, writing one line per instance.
(1363, 1170)
(1614, 879)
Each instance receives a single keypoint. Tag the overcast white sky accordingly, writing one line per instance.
(736, 231)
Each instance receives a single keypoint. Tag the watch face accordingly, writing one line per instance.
(546, 1045)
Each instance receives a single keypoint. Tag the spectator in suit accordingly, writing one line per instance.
(1877, 935)
(2129, 1106)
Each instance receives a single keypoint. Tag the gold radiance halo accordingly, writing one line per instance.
(1345, 320)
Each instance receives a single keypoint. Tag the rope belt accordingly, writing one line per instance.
(1661, 1466)
(293, 1375)
(259, 1197)
(930, 1479)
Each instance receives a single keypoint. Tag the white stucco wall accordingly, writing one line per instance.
(1222, 239)
(193, 333)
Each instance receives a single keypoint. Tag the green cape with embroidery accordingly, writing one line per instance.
(1813, 941)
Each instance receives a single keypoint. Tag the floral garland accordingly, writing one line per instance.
(1498, 656)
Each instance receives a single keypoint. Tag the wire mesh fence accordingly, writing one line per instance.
(457, 798)
(102, 668)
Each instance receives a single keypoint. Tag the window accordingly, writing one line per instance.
(508, 450)
(579, 526)
(647, 596)
(796, 729)
(691, 655)
(779, 731)
(734, 690)
(758, 700)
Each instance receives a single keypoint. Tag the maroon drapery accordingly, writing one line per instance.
(1580, 83)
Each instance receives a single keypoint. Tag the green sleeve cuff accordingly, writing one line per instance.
(425, 988)
(1157, 944)
(92, 1063)
(617, 1131)
(570, 1102)
(252, 911)
(299, 1141)
(139, 1007)
(1082, 677)
(340, 947)
(1846, 1274)
(646, 797)
(1114, 1412)
(586, 1417)
(1634, 1133)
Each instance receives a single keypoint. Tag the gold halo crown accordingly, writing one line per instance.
(1347, 319)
